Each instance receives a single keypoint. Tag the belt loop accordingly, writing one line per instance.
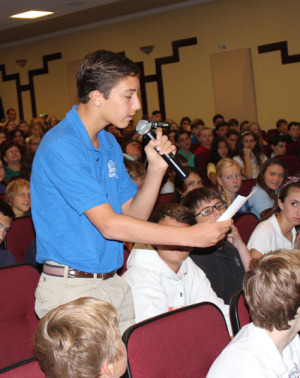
(66, 271)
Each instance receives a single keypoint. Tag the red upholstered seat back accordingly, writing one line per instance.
(180, 343)
(25, 369)
(18, 320)
(19, 237)
(239, 311)
(245, 223)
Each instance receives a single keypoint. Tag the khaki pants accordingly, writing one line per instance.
(53, 291)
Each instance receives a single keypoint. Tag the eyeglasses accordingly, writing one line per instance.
(210, 209)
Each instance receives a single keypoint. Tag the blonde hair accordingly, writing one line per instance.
(222, 164)
(203, 128)
(74, 339)
(14, 188)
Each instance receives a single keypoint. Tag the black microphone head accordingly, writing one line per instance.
(143, 127)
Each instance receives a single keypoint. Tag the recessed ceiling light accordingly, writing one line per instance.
(31, 14)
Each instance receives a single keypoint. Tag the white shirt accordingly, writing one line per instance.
(253, 354)
(267, 237)
(157, 288)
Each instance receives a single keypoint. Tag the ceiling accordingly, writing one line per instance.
(73, 15)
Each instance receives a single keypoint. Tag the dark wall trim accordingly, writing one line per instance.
(283, 48)
(159, 62)
(28, 87)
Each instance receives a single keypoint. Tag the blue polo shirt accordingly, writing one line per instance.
(70, 176)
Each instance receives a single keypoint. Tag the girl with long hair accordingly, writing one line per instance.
(271, 175)
(249, 154)
(229, 178)
(278, 231)
(219, 150)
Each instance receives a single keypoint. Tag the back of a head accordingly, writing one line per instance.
(102, 70)
(74, 339)
(272, 289)
(276, 138)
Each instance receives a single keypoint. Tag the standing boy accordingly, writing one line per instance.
(84, 203)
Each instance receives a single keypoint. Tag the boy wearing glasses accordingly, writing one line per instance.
(225, 263)
(163, 278)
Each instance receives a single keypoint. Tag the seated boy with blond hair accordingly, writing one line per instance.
(81, 339)
(269, 347)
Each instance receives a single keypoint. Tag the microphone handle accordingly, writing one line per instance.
(170, 159)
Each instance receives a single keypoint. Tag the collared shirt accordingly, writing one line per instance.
(252, 353)
(70, 176)
(268, 236)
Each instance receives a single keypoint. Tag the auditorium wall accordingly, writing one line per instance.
(187, 84)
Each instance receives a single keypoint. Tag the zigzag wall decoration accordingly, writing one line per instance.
(158, 75)
(28, 87)
(283, 48)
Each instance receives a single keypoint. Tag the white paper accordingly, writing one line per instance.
(235, 206)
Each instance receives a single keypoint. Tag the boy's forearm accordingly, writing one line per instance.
(143, 202)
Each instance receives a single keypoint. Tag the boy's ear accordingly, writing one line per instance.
(107, 369)
(96, 97)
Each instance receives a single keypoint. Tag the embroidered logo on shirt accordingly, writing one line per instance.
(112, 170)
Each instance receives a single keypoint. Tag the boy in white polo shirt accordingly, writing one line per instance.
(269, 347)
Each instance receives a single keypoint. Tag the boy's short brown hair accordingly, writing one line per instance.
(74, 339)
(272, 289)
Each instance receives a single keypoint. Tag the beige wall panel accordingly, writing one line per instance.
(233, 84)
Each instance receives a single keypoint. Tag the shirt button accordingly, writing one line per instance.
(97, 159)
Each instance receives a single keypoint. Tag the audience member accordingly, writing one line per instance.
(11, 156)
(3, 136)
(195, 130)
(271, 175)
(157, 116)
(232, 137)
(293, 133)
(278, 231)
(221, 129)
(205, 137)
(282, 127)
(225, 263)
(233, 124)
(269, 347)
(218, 118)
(183, 143)
(81, 339)
(167, 185)
(249, 154)
(136, 171)
(244, 126)
(23, 125)
(255, 128)
(6, 217)
(132, 149)
(10, 126)
(164, 278)
(35, 128)
(18, 137)
(11, 114)
(3, 183)
(52, 122)
(219, 150)
(278, 144)
(182, 188)
(185, 124)
(18, 196)
(229, 178)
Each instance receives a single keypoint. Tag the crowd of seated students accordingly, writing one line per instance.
(166, 277)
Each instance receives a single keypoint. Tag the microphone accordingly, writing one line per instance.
(144, 128)
(155, 125)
